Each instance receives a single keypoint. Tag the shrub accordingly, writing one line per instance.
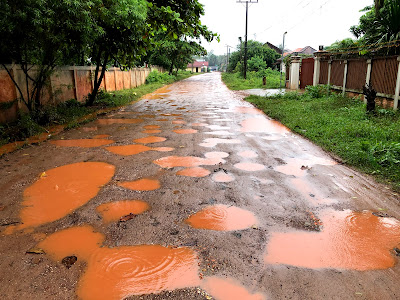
(318, 91)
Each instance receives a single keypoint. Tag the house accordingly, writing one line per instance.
(273, 47)
(197, 66)
(308, 50)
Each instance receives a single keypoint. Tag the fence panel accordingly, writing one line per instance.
(384, 74)
(323, 73)
(356, 74)
(337, 72)
(307, 72)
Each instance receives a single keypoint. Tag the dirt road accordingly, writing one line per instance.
(192, 193)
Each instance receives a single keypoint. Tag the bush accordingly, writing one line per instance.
(318, 91)
(159, 77)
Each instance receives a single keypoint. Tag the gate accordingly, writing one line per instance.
(306, 72)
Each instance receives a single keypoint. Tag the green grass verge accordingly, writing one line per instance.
(72, 114)
(340, 125)
(235, 81)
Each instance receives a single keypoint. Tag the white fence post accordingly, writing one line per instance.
(368, 77)
(396, 95)
(344, 78)
(294, 72)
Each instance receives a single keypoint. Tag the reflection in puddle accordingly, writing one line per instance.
(116, 273)
(222, 218)
(150, 139)
(113, 211)
(299, 166)
(263, 125)
(228, 289)
(308, 192)
(186, 161)
(185, 131)
(135, 149)
(216, 154)
(248, 154)
(211, 142)
(249, 166)
(194, 172)
(118, 121)
(62, 190)
(221, 176)
(349, 240)
(145, 184)
(83, 143)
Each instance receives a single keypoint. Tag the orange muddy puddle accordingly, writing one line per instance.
(211, 142)
(263, 125)
(135, 149)
(221, 176)
(151, 131)
(178, 122)
(186, 161)
(151, 127)
(248, 154)
(185, 131)
(145, 184)
(88, 129)
(118, 121)
(228, 289)
(194, 172)
(101, 136)
(222, 218)
(123, 271)
(199, 124)
(82, 143)
(162, 120)
(61, 190)
(10, 147)
(113, 211)
(348, 240)
(150, 140)
(249, 166)
(248, 110)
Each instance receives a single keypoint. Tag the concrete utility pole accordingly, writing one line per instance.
(245, 37)
(283, 49)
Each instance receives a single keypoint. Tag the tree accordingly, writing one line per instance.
(255, 49)
(379, 26)
(38, 35)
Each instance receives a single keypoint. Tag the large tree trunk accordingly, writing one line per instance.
(98, 80)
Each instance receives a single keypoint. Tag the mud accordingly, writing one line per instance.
(83, 143)
(150, 140)
(322, 230)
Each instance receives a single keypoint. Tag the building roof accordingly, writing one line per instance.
(198, 64)
(273, 47)
(306, 50)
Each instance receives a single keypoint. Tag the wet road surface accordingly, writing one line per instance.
(192, 193)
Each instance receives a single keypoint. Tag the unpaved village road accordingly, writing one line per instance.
(192, 193)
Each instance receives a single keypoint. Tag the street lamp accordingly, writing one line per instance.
(283, 49)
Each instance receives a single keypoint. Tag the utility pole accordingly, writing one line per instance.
(245, 36)
(281, 67)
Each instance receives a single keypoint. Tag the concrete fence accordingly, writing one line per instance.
(350, 75)
(64, 84)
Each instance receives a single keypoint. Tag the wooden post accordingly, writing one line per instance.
(344, 78)
(368, 77)
(396, 95)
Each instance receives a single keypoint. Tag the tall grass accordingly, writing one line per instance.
(235, 81)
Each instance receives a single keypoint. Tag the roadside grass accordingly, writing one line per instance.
(235, 81)
(340, 125)
(72, 114)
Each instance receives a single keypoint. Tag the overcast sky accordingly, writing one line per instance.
(308, 22)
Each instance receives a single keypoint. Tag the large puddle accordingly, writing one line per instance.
(185, 131)
(348, 240)
(150, 140)
(113, 211)
(263, 125)
(249, 167)
(136, 149)
(299, 166)
(144, 184)
(116, 273)
(186, 161)
(60, 191)
(83, 143)
(228, 289)
(222, 218)
(221, 176)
